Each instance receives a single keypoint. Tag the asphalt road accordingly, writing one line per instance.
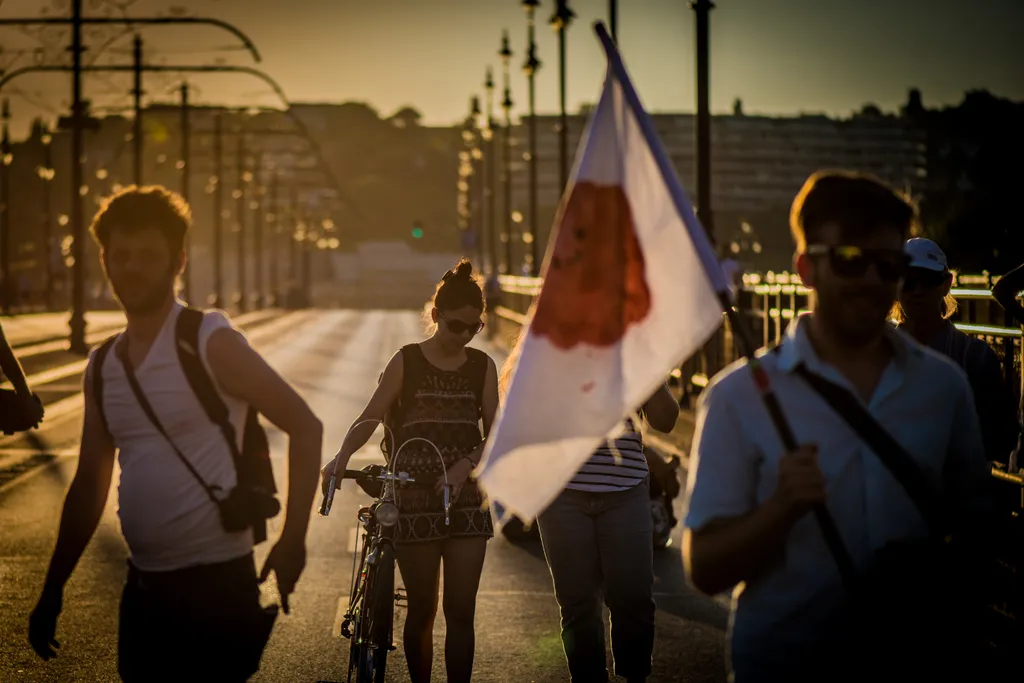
(333, 358)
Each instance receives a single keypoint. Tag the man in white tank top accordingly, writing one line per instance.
(191, 601)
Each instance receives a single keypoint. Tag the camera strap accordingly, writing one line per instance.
(122, 353)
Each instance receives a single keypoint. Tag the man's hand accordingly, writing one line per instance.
(42, 625)
(287, 559)
(31, 409)
(801, 484)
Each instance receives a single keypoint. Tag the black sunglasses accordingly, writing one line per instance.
(922, 278)
(458, 327)
(853, 262)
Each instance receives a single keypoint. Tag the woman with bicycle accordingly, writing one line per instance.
(597, 542)
(437, 391)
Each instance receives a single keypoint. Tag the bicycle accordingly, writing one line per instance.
(369, 620)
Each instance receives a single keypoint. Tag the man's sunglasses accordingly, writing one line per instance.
(853, 262)
(458, 327)
(922, 278)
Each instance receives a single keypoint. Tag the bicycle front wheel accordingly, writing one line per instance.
(381, 612)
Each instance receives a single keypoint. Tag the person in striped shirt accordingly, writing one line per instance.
(597, 542)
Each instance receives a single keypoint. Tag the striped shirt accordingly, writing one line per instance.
(617, 466)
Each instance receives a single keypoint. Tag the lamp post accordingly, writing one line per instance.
(703, 9)
(243, 178)
(560, 21)
(506, 57)
(5, 205)
(491, 158)
(530, 67)
(137, 136)
(183, 166)
(46, 174)
(476, 159)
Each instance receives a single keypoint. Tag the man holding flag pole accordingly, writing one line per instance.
(632, 288)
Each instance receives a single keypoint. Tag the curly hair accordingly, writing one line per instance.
(134, 209)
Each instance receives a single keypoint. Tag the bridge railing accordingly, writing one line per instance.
(770, 301)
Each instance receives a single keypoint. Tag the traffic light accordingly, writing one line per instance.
(417, 230)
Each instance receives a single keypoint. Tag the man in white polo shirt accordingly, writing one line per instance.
(749, 521)
(191, 604)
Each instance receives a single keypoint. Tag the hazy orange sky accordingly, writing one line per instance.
(779, 56)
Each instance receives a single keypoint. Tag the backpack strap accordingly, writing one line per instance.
(97, 376)
(186, 334)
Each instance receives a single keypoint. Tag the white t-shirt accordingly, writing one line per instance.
(167, 519)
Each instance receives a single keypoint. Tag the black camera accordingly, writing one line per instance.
(247, 507)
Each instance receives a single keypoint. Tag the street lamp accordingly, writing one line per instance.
(46, 173)
(506, 57)
(5, 205)
(491, 159)
(530, 67)
(703, 8)
(560, 21)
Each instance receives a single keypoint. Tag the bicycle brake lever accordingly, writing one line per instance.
(447, 504)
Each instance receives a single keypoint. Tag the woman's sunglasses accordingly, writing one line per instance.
(853, 262)
(458, 327)
(922, 278)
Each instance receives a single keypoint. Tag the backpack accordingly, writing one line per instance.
(252, 463)
(412, 370)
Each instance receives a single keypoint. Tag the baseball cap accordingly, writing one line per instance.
(925, 254)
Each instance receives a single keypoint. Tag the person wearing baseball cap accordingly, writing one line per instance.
(924, 309)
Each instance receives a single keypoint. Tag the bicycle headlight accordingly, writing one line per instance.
(386, 514)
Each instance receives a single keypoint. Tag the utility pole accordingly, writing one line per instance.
(185, 177)
(77, 323)
(5, 201)
(293, 247)
(137, 136)
(703, 9)
(274, 219)
(530, 66)
(218, 212)
(240, 160)
(492, 171)
(506, 56)
(613, 19)
(257, 231)
(560, 21)
(47, 140)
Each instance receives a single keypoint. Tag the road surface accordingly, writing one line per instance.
(333, 358)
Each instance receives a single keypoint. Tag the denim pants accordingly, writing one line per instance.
(600, 545)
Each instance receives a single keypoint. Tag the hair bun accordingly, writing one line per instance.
(464, 270)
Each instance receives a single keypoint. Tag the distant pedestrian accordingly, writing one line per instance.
(176, 400)
(924, 309)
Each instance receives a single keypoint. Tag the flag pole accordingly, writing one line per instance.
(713, 270)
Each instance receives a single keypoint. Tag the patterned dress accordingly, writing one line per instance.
(443, 407)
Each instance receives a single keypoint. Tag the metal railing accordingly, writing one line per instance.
(770, 301)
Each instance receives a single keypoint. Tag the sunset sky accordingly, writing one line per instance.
(779, 56)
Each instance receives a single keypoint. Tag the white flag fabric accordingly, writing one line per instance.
(630, 291)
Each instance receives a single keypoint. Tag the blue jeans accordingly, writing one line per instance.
(600, 544)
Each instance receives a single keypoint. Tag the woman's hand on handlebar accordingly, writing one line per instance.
(458, 474)
(328, 470)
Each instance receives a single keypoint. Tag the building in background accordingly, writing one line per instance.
(758, 164)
